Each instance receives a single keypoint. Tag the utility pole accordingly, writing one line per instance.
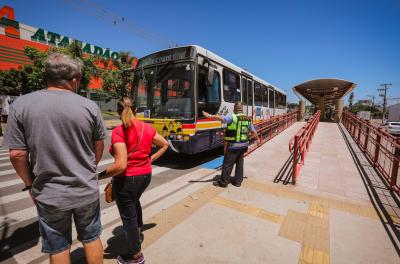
(383, 93)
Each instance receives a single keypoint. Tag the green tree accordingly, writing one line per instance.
(31, 77)
(351, 99)
(117, 81)
(10, 82)
(292, 105)
(359, 106)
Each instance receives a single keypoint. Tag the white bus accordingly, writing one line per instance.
(172, 87)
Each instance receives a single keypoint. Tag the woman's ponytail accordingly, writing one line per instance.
(128, 111)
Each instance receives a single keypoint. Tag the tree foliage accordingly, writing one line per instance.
(31, 77)
(292, 105)
(10, 82)
(351, 99)
(118, 77)
(359, 106)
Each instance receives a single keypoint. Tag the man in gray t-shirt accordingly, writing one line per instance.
(55, 137)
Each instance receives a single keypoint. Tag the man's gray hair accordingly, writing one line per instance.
(61, 68)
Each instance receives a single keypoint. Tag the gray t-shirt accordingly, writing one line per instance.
(59, 129)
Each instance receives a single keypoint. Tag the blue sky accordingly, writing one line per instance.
(284, 42)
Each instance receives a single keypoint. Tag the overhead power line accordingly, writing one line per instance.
(99, 12)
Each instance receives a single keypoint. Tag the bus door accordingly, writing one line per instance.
(271, 100)
(208, 89)
(247, 96)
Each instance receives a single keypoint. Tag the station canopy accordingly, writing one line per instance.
(330, 89)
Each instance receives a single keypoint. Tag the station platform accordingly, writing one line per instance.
(327, 217)
(338, 212)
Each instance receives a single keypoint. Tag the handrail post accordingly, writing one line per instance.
(344, 119)
(359, 131)
(377, 146)
(366, 138)
(295, 158)
(270, 131)
(395, 167)
(350, 126)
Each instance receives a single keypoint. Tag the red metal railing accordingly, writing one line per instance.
(268, 129)
(382, 149)
(300, 143)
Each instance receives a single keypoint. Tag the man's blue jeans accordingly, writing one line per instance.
(56, 226)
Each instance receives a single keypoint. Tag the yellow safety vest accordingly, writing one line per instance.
(238, 130)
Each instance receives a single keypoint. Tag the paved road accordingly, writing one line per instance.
(18, 219)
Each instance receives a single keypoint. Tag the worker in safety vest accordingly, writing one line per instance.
(238, 133)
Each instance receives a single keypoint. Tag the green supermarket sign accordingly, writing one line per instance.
(55, 39)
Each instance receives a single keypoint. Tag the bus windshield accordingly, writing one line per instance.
(165, 91)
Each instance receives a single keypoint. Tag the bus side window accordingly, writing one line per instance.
(264, 96)
(280, 100)
(257, 94)
(271, 98)
(284, 101)
(231, 86)
(277, 99)
(208, 96)
(244, 91)
(249, 92)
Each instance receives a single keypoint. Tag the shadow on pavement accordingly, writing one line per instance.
(215, 178)
(116, 245)
(285, 173)
(22, 239)
(184, 161)
(385, 202)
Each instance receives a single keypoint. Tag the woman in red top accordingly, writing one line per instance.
(131, 145)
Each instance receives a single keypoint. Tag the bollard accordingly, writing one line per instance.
(395, 167)
(377, 145)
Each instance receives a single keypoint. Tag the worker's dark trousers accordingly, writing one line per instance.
(231, 157)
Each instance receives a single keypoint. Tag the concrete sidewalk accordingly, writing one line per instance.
(263, 222)
(320, 220)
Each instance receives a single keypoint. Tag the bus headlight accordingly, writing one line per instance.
(179, 137)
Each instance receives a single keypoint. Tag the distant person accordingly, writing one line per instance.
(131, 145)
(55, 137)
(186, 89)
(237, 138)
